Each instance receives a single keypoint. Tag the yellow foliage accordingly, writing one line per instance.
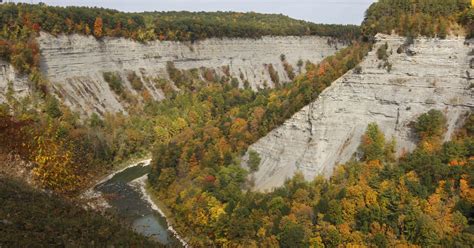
(316, 242)
(348, 210)
(344, 229)
(466, 191)
(216, 208)
(412, 176)
(370, 197)
(374, 164)
(54, 169)
(262, 232)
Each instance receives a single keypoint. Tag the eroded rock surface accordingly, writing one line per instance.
(433, 74)
(12, 84)
(75, 64)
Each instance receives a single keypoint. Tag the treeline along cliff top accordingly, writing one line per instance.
(21, 23)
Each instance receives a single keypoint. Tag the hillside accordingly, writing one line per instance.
(32, 218)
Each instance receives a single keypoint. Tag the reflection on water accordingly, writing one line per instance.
(127, 201)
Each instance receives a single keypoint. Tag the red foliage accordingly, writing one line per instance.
(36, 27)
(210, 179)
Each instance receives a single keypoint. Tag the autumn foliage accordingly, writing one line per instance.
(98, 26)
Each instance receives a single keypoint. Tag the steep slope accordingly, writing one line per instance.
(432, 74)
(32, 218)
(75, 64)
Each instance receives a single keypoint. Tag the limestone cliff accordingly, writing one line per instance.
(430, 74)
(75, 64)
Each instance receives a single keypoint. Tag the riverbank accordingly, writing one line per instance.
(141, 183)
(94, 199)
(125, 191)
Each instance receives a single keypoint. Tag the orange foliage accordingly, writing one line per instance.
(98, 26)
(466, 191)
(36, 27)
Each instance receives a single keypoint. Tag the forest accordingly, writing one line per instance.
(424, 198)
(412, 18)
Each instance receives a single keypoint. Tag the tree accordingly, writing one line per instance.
(293, 235)
(431, 124)
(52, 107)
(373, 143)
(254, 160)
(98, 27)
(55, 169)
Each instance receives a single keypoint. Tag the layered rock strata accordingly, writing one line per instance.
(429, 74)
(75, 65)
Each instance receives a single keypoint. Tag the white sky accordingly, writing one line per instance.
(319, 11)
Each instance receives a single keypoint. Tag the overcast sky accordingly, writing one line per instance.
(320, 11)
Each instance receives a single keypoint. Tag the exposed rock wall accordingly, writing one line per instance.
(75, 64)
(12, 84)
(329, 130)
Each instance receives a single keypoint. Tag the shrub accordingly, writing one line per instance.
(431, 124)
(373, 143)
(254, 160)
(274, 75)
(52, 107)
(135, 81)
(115, 81)
(289, 70)
(382, 52)
(358, 69)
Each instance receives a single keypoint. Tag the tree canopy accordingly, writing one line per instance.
(416, 17)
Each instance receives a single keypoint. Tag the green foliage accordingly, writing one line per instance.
(382, 52)
(96, 121)
(373, 143)
(31, 218)
(254, 160)
(135, 81)
(431, 124)
(467, 19)
(52, 107)
(418, 17)
(274, 75)
(183, 26)
(293, 235)
(115, 82)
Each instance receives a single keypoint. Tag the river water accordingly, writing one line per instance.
(124, 194)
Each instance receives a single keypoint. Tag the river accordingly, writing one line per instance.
(125, 193)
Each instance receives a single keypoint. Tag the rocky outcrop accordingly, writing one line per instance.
(430, 74)
(12, 84)
(75, 64)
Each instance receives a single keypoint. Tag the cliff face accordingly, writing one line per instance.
(12, 84)
(432, 74)
(75, 64)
